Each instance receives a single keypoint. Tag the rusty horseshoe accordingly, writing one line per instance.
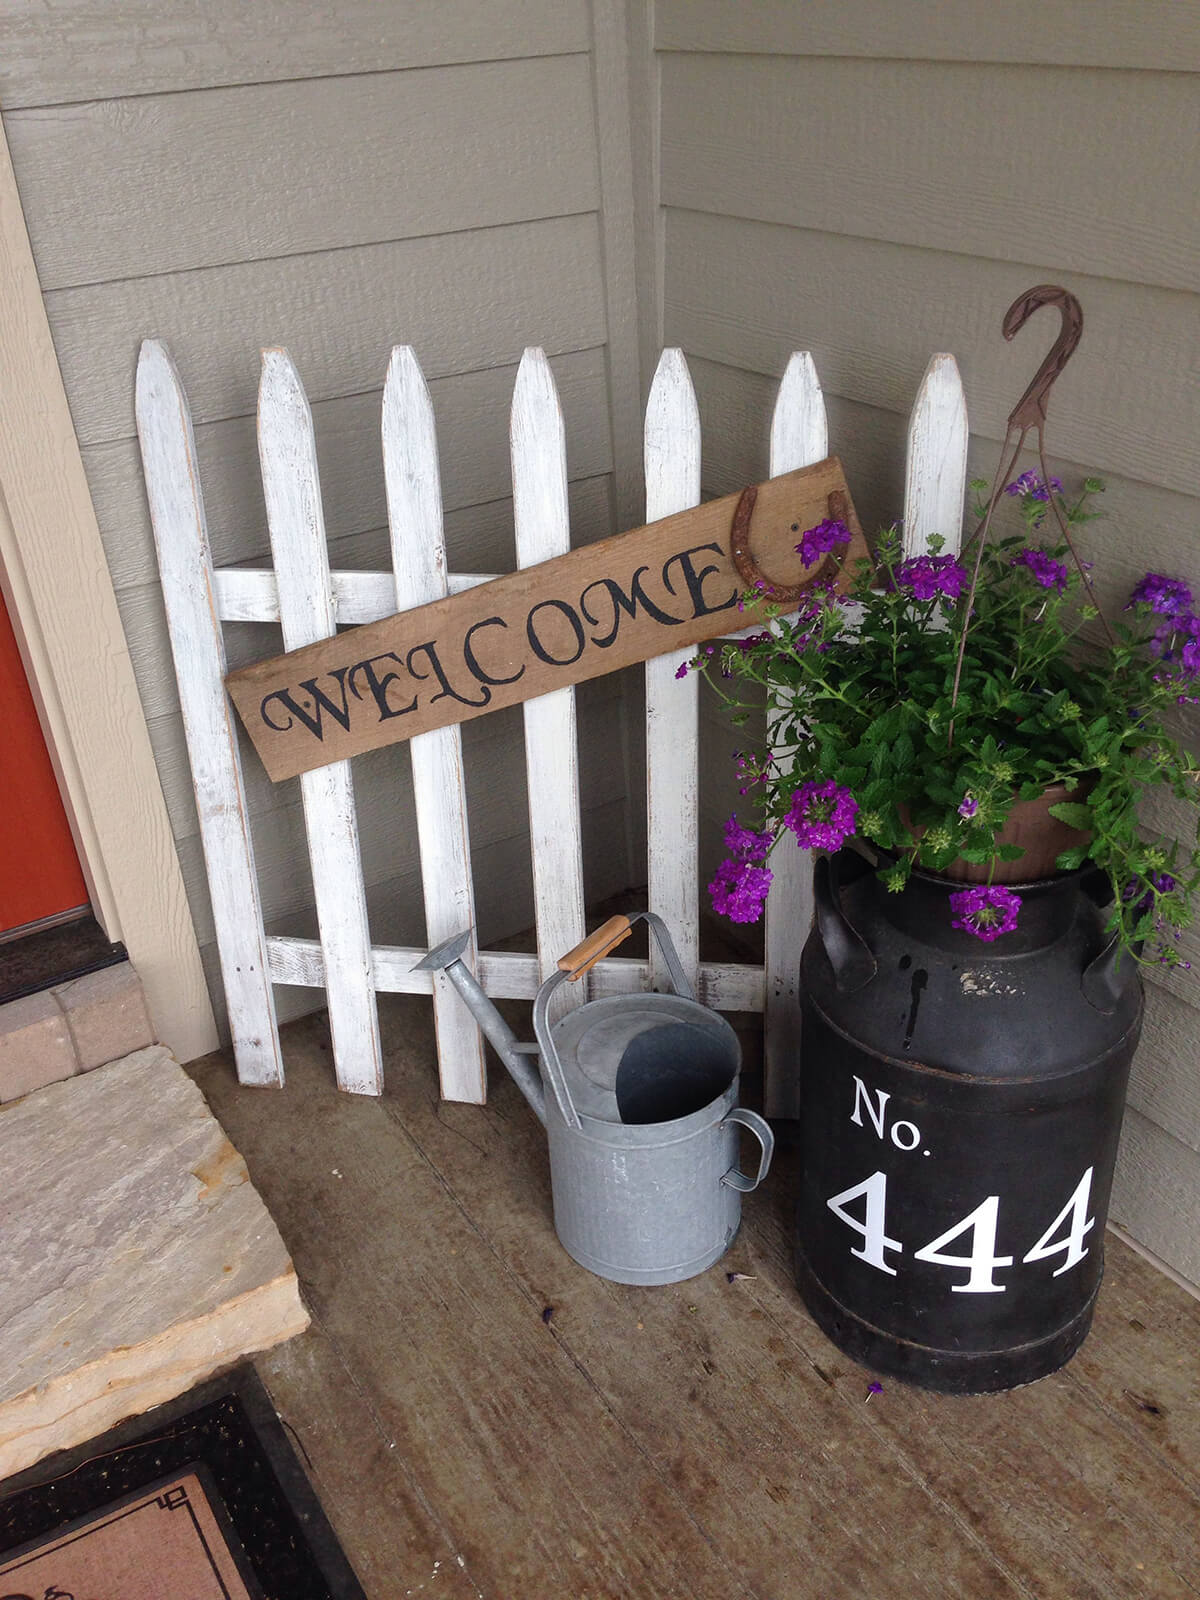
(747, 567)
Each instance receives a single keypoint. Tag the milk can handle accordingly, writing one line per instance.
(762, 1132)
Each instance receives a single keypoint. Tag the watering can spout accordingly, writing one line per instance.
(447, 957)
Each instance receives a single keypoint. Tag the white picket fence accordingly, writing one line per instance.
(308, 600)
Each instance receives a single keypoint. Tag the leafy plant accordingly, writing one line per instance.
(914, 713)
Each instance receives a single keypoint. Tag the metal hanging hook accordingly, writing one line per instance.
(1028, 416)
(1030, 409)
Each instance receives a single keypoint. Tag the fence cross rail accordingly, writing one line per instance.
(309, 601)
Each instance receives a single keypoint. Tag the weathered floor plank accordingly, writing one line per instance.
(702, 1439)
(358, 1473)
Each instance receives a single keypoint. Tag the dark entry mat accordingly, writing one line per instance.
(35, 961)
(210, 1503)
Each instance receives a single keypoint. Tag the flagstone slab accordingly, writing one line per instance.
(138, 1257)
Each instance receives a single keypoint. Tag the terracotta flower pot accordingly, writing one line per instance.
(1042, 837)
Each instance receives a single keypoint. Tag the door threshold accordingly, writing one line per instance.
(55, 954)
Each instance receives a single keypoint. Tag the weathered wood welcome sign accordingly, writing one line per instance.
(627, 598)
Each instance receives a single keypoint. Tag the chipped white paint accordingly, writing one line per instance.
(414, 497)
(251, 594)
(671, 454)
(291, 489)
(539, 469)
(164, 427)
(799, 436)
(935, 479)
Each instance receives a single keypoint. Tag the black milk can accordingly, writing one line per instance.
(961, 1104)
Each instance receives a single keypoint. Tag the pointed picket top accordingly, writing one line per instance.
(539, 456)
(935, 482)
(671, 450)
(168, 448)
(414, 494)
(287, 453)
(799, 429)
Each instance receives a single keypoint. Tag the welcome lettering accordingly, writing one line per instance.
(625, 599)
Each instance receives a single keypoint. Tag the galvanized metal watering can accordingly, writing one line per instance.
(639, 1102)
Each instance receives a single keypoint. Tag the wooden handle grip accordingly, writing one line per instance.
(585, 954)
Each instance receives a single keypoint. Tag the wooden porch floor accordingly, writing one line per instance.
(484, 1418)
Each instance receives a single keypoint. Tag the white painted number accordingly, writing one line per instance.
(1081, 1225)
(875, 1241)
(982, 1260)
(981, 1224)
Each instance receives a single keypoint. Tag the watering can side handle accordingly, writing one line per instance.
(588, 951)
(761, 1130)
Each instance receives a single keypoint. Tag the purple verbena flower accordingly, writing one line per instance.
(745, 843)
(818, 541)
(927, 576)
(1177, 641)
(751, 642)
(821, 815)
(1163, 882)
(1169, 597)
(987, 911)
(681, 671)
(1029, 483)
(1051, 574)
(739, 889)
(968, 806)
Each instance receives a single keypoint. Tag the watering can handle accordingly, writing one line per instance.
(762, 1132)
(607, 937)
(588, 951)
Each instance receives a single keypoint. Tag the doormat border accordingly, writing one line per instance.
(227, 1423)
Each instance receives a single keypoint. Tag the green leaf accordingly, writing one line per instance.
(1073, 814)
(1070, 859)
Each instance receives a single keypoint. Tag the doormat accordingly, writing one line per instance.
(210, 1503)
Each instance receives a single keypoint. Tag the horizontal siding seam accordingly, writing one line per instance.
(700, 53)
(326, 250)
(932, 250)
(32, 108)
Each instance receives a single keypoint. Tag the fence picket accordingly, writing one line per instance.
(799, 436)
(296, 522)
(539, 470)
(185, 562)
(414, 497)
(935, 476)
(672, 464)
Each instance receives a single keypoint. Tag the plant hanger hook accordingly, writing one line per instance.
(1026, 417)
(1030, 409)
